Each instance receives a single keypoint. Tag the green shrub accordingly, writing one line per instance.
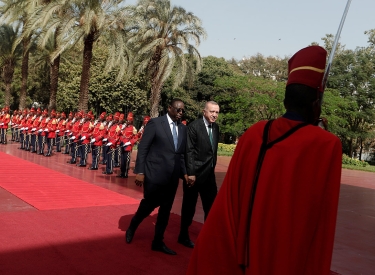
(355, 162)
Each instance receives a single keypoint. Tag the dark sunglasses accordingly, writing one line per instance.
(179, 110)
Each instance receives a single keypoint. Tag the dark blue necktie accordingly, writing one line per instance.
(174, 133)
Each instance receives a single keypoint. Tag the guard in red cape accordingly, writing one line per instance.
(276, 210)
(97, 136)
(127, 140)
(51, 132)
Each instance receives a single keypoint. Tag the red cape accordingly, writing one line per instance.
(294, 212)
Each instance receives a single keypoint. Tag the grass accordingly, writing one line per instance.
(370, 168)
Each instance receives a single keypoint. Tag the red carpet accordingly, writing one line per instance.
(46, 189)
(86, 241)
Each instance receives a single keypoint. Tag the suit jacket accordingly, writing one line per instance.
(157, 158)
(201, 156)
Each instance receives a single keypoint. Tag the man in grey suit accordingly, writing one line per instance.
(201, 156)
(159, 165)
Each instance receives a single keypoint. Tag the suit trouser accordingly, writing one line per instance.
(154, 196)
(207, 191)
(125, 162)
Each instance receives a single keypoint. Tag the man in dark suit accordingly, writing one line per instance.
(160, 162)
(201, 156)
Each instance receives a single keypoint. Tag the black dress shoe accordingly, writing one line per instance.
(120, 176)
(92, 168)
(163, 248)
(129, 235)
(47, 155)
(107, 173)
(81, 165)
(71, 162)
(186, 242)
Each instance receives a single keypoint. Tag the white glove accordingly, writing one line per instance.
(40, 131)
(1, 124)
(67, 131)
(93, 140)
(57, 131)
(33, 129)
(22, 128)
(70, 134)
(123, 127)
(73, 137)
(46, 130)
(109, 144)
(27, 128)
(104, 139)
(83, 138)
(127, 143)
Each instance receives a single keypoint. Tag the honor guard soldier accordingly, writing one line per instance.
(85, 134)
(17, 126)
(13, 123)
(97, 136)
(76, 129)
(4, 125)
(68, 127)
(34, 132)
(122, 124)
(146, 119)
(61, 128)
(22, 126)
(42, 129)
(127, 140)
(29, 125)
(113, 138)
(51, 132)
(109, 122)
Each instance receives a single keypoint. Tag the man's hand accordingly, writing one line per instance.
(139, 179)
(190, 180)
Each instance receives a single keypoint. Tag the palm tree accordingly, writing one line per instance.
(18, 11)
(82, 22)
(8, 57)
(162, 41)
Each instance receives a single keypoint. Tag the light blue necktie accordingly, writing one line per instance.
(174, 133)
(210, 134)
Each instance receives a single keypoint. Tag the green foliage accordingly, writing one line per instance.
(354, 162)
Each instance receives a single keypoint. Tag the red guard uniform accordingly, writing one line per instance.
(276, 210)
(97, 136)
(75, 131)
(42, 133)
(113, 136)
(4, 125)
(85, 135)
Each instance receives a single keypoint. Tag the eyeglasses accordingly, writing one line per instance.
(179, 110)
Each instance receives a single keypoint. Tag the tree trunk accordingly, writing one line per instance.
(156, 86)
(85, 75)
(8, 78)
(24, 72)
(155, 99)
(54, 83)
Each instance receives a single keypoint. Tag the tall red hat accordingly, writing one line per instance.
(53, 113)
(130, 117)
(71, 114)
(116, 116)
(32, 109)
(121, 117)
(109, 117)
(146, 119)
(24, 111)
(6, 108)
(63, 115)
(15, 112)
(307, 67)
(102, 115)
(89, 114)
(45, 112)
(38, 111)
